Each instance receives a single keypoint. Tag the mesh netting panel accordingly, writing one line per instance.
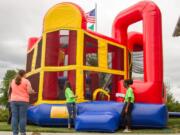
(39, 52)
(61, 48)
(94, 80)
(90, 51)
(34, 79)
(115, 57)
(72, 47)
(53, 88)
(137, 62)
(52, 48)
(29, 61)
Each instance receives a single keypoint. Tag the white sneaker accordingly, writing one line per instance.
(127, 131)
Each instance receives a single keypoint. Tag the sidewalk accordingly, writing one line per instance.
(30, 133)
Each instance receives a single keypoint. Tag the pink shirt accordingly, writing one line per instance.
(20, 92)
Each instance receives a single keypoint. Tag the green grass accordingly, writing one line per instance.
(173, 127)
(33, 128)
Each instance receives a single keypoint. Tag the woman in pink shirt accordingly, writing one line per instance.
(19, 98)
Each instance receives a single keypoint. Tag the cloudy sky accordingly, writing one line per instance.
(21, 19)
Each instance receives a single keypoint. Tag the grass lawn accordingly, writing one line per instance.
(173, 127)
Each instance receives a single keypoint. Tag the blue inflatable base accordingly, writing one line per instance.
(97, 121)
(102, 116)
(40, 115)
(92, 116)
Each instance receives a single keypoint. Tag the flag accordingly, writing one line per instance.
(91, 27)
(91, 16)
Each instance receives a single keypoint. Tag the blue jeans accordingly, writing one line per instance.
(19, 117)
(71, 111)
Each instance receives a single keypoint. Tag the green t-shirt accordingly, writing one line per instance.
(69, 95)
(129, 94)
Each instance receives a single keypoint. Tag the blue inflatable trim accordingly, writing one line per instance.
(102, 116)
(40, 115)
(98, 121)
(105, 116)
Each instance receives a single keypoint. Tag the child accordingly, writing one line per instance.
(128, 105)
(70, 102)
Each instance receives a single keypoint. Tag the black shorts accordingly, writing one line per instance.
(130, 108)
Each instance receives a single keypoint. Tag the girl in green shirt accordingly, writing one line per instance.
(70, 102)
(128, 105)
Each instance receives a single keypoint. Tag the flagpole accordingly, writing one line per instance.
(96, 15)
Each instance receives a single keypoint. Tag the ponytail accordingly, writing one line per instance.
(18, 78)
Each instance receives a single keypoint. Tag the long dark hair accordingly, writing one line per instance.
(19, 76)
(67, 85)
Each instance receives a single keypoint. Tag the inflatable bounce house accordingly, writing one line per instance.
(96, 66)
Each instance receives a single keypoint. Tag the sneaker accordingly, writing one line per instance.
(127, 131)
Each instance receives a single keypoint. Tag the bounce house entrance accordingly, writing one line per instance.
(99, 80)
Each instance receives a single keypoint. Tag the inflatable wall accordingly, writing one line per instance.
(106, 116)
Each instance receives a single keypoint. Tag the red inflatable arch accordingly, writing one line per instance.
(151, 90)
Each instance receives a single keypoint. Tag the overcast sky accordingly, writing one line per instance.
(21, 19)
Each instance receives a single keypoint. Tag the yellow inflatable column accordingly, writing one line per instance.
(41, 79)
(79, 71)
(102, 54)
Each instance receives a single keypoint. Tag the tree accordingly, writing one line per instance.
(10, 74)
(172, 104)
